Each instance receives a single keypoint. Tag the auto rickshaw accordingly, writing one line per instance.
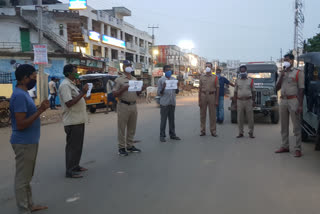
(101, 93)
(310, 123)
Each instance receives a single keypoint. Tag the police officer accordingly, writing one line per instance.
(245, 97)
(208, 97)
(291, 83)
(127, 111)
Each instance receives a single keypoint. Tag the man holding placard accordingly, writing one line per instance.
(167, 90)
(127, 88)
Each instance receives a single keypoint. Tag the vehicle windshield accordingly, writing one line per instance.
(97, 85)
(262, 77)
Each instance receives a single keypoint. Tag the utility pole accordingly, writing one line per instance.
(43, 92)
(153, 42)
(298, 27)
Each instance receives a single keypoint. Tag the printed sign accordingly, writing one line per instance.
(77, 4)
(40, 54)
(171, 84)
(94, 36)
(135, 85)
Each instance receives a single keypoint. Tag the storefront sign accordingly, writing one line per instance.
(113, 41)
(77, 4)
(94, 36)
(40, 54)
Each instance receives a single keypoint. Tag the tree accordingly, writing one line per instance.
(313, 44)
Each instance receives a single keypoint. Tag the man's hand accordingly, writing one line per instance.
(125, 87)
(253, 103)
(299, 110)
(44, 105)
(85, 88)
(164, 85)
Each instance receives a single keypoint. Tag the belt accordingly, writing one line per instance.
(128, 103)
(210, 92)
(244, 98)
(289, 97)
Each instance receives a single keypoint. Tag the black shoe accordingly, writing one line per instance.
(175, 138)
(162, 139)
(73, 175)
(133, 149)
(202, 134)
(123, 152)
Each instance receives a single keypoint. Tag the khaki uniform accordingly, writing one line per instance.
(127, 113)
(292, 82)
(244, 89)
(208, 95)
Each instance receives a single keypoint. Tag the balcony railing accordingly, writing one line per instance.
(10, 46)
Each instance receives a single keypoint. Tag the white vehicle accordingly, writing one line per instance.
(196, 83)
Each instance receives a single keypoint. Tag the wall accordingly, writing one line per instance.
(6, 90)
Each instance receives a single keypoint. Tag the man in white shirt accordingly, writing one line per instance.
(74, 117)
(53, 92)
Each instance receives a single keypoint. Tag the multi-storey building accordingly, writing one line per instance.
(93, 40)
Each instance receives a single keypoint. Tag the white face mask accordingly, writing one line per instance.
(286, 64)
(128, 69)
(208, 69)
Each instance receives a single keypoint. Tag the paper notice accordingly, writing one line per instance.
(89, 89)
(135, 85)
(171, 84)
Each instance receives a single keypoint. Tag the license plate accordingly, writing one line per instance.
(257, 108)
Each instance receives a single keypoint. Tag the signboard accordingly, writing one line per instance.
(157, 72)
(113, 41)
(40, 54)
(77, 4)
(94, 36)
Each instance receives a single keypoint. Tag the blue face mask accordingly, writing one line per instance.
(168, 74)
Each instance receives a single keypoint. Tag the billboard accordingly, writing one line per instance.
(77, 4)
(113, 41)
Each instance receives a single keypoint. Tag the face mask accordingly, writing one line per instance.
(243, 75)
(31, 84)
(76, 75)
(219, 75)
(286, 64)
(168, 74)
(208, 69)
(128, 70)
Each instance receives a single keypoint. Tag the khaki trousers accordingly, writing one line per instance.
(245, 107)
(26, 155)
(208, 101)
(288, 109)
(127, 120)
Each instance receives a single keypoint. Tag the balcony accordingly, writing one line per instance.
(11, 47)
(131, 46)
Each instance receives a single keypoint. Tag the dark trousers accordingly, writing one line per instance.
(167, 112)
(53, 101)
(75, 136)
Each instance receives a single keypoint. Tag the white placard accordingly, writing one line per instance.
(40, 54)
(135, 85)
(171, 84)
(89, 89)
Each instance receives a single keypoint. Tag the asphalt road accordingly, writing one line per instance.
(221, 175)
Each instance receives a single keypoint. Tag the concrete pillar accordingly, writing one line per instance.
(134, 58)
(108, 30)
(123, 36)
(89, 23)
(90, 49)
(102, 29)
(118, 34)
(109, 54)
(103, 51)
(138, 39)
(138, 57)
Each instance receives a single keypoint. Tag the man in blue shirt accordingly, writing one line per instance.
(25, 136)
(220, 110)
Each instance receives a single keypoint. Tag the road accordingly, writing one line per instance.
(204, 175)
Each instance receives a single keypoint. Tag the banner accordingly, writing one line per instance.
(40, 54)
